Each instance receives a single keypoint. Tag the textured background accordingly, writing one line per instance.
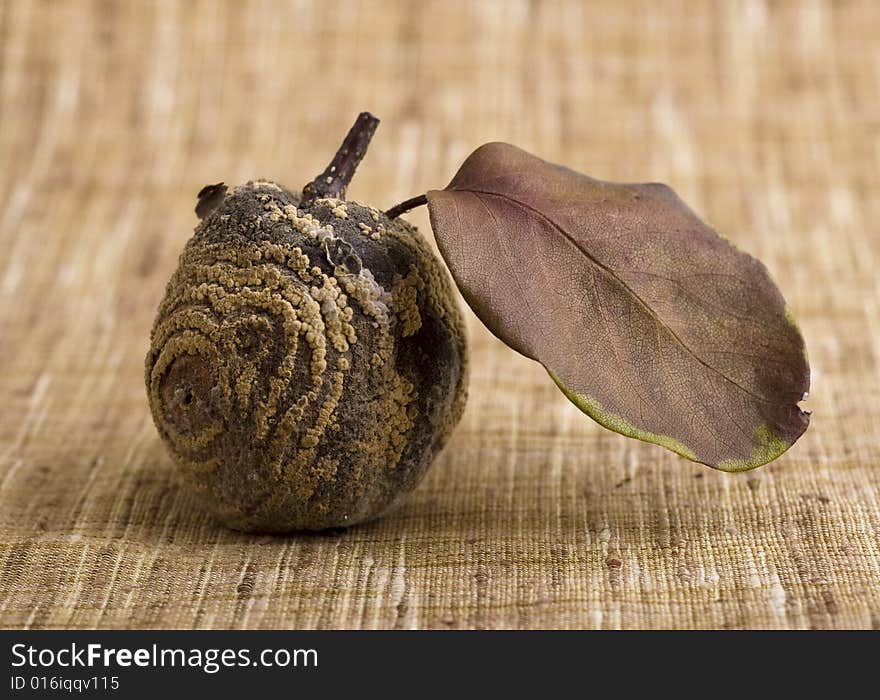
(764, 116)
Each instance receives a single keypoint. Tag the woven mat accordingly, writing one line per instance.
(764, 116)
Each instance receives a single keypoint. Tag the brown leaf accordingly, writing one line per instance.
(645, 317)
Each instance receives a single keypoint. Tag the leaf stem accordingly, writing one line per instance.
(337, 175)
(404, 207)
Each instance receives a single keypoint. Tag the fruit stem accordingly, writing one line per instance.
(336, 176)
(404, 207)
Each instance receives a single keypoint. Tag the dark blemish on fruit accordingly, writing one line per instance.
(210, 197)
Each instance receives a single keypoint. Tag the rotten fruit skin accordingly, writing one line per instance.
(307, 363)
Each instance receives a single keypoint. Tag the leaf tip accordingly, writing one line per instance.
(770, 446)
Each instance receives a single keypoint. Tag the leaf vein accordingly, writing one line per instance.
(635, 295)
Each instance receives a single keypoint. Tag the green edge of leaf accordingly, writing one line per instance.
(619, 425)
(770, 446)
